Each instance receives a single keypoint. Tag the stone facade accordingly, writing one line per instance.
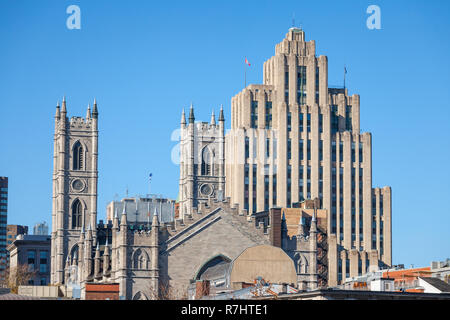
(74, 184)
(202, 161)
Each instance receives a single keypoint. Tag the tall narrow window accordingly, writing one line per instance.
(76, 214)
(301, 85)
(254, 114)
(268, 114)
(77, 156)
(206, 162)
(300, 120)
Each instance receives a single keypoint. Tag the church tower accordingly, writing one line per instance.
(202, 161)
(75, 175)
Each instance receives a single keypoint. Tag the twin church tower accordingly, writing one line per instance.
(75, 177)
(292, 138)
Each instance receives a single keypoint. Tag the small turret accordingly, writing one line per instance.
(183, 119)
(115, 221)
(88, 112)
(58, 111)
(89, 233)
(97, 261)
(221, 117)
(123, 219)
(301, 229)
(191, 114)
(106, 258)
(82, 234)
(95, 110)
(64, 110)
(155, 221)
(313, 228)
(213, 118)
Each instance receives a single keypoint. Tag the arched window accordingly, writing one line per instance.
(76, 214)
(78, 156)
(206, 162)
(140, 260)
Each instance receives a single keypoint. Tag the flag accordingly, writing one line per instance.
(246, 61)
(150, 176)
(345, 69)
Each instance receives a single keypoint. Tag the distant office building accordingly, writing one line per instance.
(33, 251)
(3, 222)
(40, 229)
(12, 231)
(138, 209)
(441, 270)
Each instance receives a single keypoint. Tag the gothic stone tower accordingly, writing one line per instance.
(202, 161)
(74, 184)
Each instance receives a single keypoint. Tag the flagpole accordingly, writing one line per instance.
(345, 71)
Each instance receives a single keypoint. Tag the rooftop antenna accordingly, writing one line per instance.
(126, 192)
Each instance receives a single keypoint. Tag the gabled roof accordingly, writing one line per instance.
(437, 283)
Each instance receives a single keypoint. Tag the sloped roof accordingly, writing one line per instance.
(437, 283)
(12, 296)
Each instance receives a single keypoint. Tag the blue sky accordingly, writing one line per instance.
(144, 61)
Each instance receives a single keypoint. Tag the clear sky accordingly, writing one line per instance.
(146, 60)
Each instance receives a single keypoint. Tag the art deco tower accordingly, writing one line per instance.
(75, 177)
(294, 138)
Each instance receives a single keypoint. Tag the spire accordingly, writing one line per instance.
(221, 117)
(94, 110)
(155, 222)
(183, 117)
(115, 220)
(123, 219)
(213, 118)
(58, 113)
(301, 227)
(89, 232)
(82, 233)
(88, 112)
(191, 114)
(313, 227)
(64, 110)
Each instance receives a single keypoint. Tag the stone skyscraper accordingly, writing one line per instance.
(294, 138)
(74, 184)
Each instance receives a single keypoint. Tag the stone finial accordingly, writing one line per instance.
(123, 219)
(58, 112)
(155, 221)
(63, 109)
(213, 118)
(221, 117)
(88, 112)
(191, 114)
(183, 117)
(301, 228)
(95, 110)
(313, 227)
